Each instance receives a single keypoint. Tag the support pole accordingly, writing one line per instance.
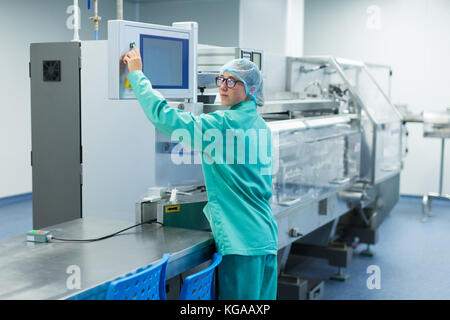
(119, 9)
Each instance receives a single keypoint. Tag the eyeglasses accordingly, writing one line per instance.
(230, 82)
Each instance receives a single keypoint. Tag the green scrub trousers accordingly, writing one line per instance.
(247, 277)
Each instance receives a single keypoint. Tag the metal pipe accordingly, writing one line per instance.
(304, 70)
(95, 18)
(441, 172)
(119, 9)
(352, 196)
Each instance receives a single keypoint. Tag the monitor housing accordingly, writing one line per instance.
(168, 56)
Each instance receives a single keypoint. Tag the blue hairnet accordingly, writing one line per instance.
(250, 75)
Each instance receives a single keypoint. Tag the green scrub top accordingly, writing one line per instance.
(239, 183)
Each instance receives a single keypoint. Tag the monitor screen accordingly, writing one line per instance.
(165, 61)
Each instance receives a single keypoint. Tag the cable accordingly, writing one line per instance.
(50, 237)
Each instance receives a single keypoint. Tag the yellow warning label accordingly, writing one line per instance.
(127, 84)
(175, 208)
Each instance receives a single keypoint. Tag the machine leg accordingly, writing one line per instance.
(430, 201)
(282, 257)
(367, 252)
(427, 199)
(338, 254)
(424, 208)
(293, 287)
(339, 275)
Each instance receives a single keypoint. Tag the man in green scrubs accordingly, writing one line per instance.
(238, 180)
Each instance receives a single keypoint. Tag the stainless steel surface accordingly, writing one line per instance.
(427, 202)
(436, 125)
(39, 271)
(441, 170)
(427, 198)
(412, 118)
(276, 106)
(302, 218)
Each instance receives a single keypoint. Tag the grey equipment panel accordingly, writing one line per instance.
(55, 130)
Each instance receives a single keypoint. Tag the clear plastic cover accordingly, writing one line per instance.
(374, 99)
(351, 84)
(313, 161)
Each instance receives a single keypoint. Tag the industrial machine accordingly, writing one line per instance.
(338, 156)
(339, 171)
(337, 142)
(93, 151)
(168, 57)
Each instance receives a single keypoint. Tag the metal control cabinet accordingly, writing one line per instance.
(56, 137)
(92, 156)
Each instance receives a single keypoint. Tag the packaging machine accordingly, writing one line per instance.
(337, 149)
(338, 154)
(344, 178)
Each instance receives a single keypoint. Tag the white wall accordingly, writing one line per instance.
(295, 27)
(21, 23)
(260, 24)
(256, 24)
(276, 27)
(413, 38)
(218, 20)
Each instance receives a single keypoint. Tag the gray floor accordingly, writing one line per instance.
(16, 216)
(413, 257)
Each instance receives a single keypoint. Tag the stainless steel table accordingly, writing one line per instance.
(40, 270)
(436, 125)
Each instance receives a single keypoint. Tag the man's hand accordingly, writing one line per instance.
(133, 60)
